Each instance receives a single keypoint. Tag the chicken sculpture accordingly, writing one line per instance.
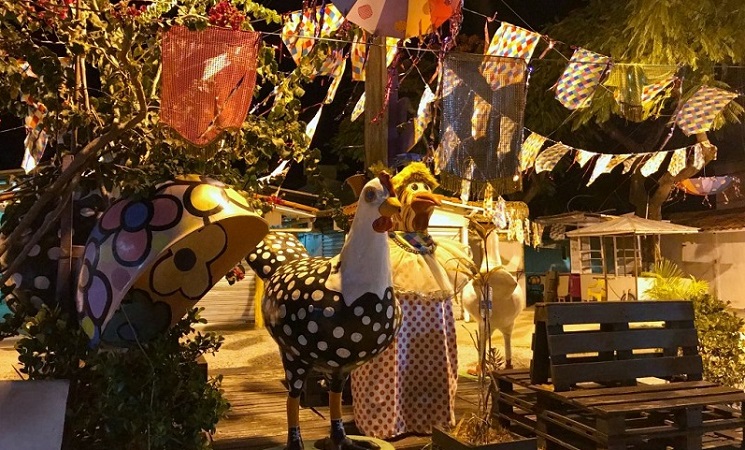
(331, 314)
(411, 386)
(494, 295)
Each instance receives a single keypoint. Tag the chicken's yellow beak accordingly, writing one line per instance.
(390, 207)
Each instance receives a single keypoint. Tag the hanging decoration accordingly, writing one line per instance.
(580, 78)
(652, 165)
(529, 150)
(512, 42)
(301, 28)
(495, 146)
(677, 161)
(36, 138)
(424, 113)
(629, 81)
(359, 108)
(207, 81)
(398, 18)
(335, 81)
(582, 157)
(707, 185)
(310, 128)
(698, 113)
(628, 163)
(698, 157)
(358, 57)
(548, 158)
(601, 167)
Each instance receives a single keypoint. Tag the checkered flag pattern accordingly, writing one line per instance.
(357, 58)
(677, 162)
(698, 113)
(509, 41)
(300, 28)
(548, 158)
(580, 78)
(529, 150)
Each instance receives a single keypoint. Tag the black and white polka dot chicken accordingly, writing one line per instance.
(331, 314)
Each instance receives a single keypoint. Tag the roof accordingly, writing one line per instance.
(631, 225)
(573, 218)
(712, 220)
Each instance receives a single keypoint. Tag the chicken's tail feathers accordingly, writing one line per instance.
(275, 250)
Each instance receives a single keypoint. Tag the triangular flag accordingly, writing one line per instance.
(358, 57)
(335, 81)
(310, 129)
(601, 165)
(698, 113)
(653, 164)
(424, 113)
(616, 160)
(391, 48)
(448, 144)
(582, 157)
(359, 108)
(698, 157)
(677, 162)
(299, 29)
(480, 117)
(580, 78)
(548, 158)
(628, 163)
(529, 150)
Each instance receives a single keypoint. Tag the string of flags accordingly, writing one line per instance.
(534, 157)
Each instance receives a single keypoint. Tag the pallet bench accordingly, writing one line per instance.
(617, 375)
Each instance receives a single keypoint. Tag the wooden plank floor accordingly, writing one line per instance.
(257, 416)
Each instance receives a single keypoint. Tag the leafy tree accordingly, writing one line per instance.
(700, 40)
(95, 66)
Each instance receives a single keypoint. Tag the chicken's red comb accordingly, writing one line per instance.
(385, 180)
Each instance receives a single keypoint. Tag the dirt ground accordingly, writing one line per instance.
(247, 346)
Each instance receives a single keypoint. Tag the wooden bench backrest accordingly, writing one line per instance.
(614, 342)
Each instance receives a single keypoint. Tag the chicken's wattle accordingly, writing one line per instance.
(382, 224)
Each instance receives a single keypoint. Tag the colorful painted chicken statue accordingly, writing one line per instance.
(411, 386)
(331, 315)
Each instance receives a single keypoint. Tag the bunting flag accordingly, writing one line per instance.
(601, 167)
(629, 82)
(513, 42)
(301, 28)
(36, 138)
(650, 91)
(698, 113)
(616, 160)
(359, 108)
(449, 81)
(480, 117)
(358, 57)
(548, 158)
(628, 163)
(424, 113)
(331, 64)
(580, 78)
(310, 128)
(529, 150)
(335, 81)
(677, 162)
(391, 49)
(448, 143)
(698, 157)
(652, 165)
(582, 157)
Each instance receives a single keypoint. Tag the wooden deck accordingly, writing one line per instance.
(257, 417)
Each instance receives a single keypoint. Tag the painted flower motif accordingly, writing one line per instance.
(133, 223)
(185, 267)
(204, 200)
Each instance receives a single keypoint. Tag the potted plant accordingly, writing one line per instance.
(479, 430)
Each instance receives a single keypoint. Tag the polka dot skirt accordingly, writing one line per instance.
(411, 386)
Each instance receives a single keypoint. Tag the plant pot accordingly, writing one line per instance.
(446, 441)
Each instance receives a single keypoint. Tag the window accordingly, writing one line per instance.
(621, 256)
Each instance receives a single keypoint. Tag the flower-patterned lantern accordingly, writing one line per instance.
(157, 257)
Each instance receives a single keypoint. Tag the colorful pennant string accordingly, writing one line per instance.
(601, 167)
(359, 108)
(582, 157)
(424, 113)
(335, 81)
(513, 42)
(677, 162)
(652, 165)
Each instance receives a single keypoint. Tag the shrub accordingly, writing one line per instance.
(153, 396)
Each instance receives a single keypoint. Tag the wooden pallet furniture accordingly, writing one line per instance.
(617, 375)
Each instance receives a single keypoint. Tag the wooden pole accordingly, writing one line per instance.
(376, 114)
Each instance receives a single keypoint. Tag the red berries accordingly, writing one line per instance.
(224, 14)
